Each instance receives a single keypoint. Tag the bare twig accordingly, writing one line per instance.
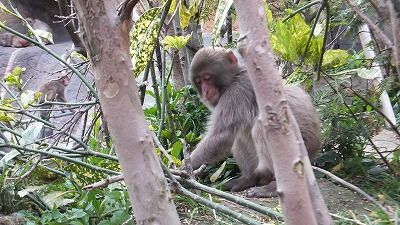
(374, 28)
(104, 183)
(70, 27)
(354, 188)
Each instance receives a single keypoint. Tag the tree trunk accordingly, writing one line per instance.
(394, 9)
(299, 195)
(106, 40)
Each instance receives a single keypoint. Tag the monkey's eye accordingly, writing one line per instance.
(197, 81)
(207, 77)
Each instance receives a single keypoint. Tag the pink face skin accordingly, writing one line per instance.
(65, 81)
(207, 85)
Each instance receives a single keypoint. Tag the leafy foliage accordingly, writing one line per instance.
(143, 38)
(290, 38)
(176, 42)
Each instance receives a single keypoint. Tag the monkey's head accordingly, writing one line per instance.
(211, 71)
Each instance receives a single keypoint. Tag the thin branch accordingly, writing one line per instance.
(374, 28)
(70, 27)
(354, 188)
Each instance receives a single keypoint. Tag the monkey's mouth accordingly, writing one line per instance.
(213, 100)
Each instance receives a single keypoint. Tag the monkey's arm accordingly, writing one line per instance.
(214, 147)
(61, 97)
(47, 95)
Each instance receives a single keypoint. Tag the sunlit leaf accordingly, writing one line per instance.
(176, 42)
(143, 39)
(27, 97)
(30, 189)
(334, 58)
(290, 40)
(215, 175)
(7, 157)
(369, 74)
(185, 15)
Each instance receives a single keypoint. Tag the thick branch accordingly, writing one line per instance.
(280, 133)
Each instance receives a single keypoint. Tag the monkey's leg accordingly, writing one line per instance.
(246, 157)
(266, 191)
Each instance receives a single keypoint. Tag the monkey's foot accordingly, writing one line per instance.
(266, 191)
(239, 184)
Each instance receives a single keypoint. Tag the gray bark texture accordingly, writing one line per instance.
(394, 9)
(298, 191)
(106, 41)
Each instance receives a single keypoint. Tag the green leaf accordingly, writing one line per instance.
(334, 58)
(14, 78)
(166, 133)
(143, 39)
(57, 198)
(184, 15)
(290, 40)
(176, 42)
(6, 116)
(176, 149)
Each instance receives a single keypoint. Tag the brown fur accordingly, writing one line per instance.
(233, 117)
(51, 91)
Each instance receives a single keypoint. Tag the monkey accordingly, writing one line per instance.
(43, 30)
(51, 91)
(12, 40)
(223, 84)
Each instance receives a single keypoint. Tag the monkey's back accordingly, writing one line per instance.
(306, 117)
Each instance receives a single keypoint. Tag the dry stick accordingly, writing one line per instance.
(104, 183)
(347, 219)
(375, 29)
(225, 210)
(249, 204)
(354, 188)
(194, 184)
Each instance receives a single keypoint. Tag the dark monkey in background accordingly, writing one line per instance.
(224, 86)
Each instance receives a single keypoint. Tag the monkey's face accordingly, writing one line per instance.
(65, 81)
(207, 89)
(212, 71)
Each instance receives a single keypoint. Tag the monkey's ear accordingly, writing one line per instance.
(231, 57)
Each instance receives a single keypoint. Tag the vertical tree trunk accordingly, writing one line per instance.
(299, 195)
(394, 9)
(107, 44)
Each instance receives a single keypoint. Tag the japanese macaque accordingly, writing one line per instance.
(53, 90)
(224, 86)
(42, 29)
(12, 40)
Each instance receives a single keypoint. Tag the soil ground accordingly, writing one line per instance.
(339, 200)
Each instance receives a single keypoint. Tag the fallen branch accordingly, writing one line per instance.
(354, 188)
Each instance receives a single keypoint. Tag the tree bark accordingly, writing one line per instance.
(107, 43)
(298, 191)
(394, 9)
